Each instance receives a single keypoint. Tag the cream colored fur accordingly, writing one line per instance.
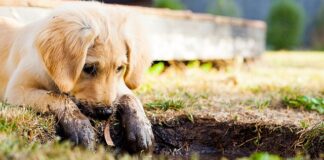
(48, 56)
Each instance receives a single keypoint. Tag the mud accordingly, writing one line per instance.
(181, 137)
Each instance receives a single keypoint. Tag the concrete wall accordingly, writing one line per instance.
(191, 36)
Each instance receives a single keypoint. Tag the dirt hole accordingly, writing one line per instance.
(181, 136)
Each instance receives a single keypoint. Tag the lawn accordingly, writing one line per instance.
(275, 104)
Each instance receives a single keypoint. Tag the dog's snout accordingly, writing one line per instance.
(109, 100)
(94, 110)
(103, 112)
(109, 95)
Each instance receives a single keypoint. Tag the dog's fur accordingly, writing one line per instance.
(88, 51)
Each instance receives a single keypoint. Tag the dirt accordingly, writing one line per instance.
(181, 136)
(206, 136)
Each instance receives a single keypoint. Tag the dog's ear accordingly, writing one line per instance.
(138, 55)
(63, 45)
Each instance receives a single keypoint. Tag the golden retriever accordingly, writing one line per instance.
(87, 51)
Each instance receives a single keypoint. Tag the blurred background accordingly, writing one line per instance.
(292, 24)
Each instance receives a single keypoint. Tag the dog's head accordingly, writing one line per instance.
(93, 52)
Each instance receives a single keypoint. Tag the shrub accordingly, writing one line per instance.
(225, 8)
(171, 4)
(285, 25)
(318, 31)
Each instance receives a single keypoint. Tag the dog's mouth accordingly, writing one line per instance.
(94, 110)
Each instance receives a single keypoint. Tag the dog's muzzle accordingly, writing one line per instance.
(94, 110)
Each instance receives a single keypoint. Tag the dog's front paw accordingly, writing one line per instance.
(77, 128)
(138, 130)
(139, 134)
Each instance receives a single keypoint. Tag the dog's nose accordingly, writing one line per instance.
(94, 110)
(102, 112)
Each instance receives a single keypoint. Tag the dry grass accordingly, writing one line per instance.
(252, 94)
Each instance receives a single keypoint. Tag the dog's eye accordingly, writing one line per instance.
(90, 69)
(120, 68)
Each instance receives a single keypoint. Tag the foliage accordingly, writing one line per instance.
(318, 32)
(157, 68)
(308, 103)
(193, 64)
(285, 25)
(225, 8)
(207, 66)
(319, 20)
(171, 4)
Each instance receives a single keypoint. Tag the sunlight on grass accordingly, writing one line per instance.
(267, 91)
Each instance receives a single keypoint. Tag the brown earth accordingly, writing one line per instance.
(181, 136)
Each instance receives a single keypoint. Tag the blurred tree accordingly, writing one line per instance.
(318, 31)
(225, 8)
(171, 4)
(285, 25)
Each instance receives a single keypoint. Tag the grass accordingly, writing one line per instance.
(254, 94)
(26, 123)
(266, 91)
(312, 135)
(262, 156)
(165, 105)
(306, 102)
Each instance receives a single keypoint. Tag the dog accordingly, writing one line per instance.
(88, 51)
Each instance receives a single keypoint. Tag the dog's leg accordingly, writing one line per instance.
(75, 125)
(137, 127)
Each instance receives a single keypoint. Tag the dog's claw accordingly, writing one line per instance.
(78, 129)
(139, 135)
(144, 137)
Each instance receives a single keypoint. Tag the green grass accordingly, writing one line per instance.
(269, 156)
(258, 103)
(165, 105)
(306, 102)
(262, 156)
(14, 147)
(26, 123)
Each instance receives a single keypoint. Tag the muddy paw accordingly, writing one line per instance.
(78, 129)
(137, 128)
